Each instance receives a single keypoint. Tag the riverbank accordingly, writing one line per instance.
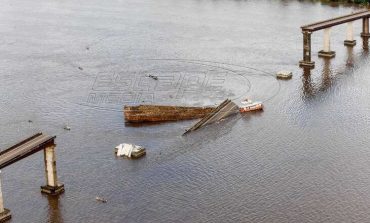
(364, 2)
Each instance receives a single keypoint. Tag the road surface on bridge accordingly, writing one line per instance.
(22, 150)
(336, 21)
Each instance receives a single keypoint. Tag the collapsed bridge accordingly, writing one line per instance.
(24, 149)
(326, 25)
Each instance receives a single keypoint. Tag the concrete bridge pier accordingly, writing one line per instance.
(365, 33)
(306, 62)
(326, 52)
(4, 213)
(52, 186)
(350, 40)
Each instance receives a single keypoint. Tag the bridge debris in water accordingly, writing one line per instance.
(225, 109)
(160, 113)
(285, 75)
(130, 151)
(157, 113)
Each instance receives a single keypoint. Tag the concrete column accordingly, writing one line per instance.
(365, 25)
(1, 198)
(350, 31)
(327, 40)
(52, 186)
(326, 52)
(306, 62)
(350, 41)
(365, 33)
(4, 213)
(50, 166)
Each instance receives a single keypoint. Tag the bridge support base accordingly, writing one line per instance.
(307, 64)
(52, 187)
(350, 42)
(52, 190)
(5, 215)
(326, 54)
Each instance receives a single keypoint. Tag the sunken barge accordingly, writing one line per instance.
(161, 113)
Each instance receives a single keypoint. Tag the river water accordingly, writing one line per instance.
(305, 158)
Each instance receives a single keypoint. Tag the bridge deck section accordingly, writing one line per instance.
(24, 149)
(336, 21)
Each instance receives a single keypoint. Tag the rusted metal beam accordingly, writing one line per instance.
(160, 113)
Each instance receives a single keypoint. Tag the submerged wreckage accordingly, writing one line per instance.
(129, 151)
(225, 109)
(158, 113)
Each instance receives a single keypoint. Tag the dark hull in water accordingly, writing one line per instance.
(160, 113)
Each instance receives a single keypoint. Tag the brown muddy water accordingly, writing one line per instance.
(306, 158)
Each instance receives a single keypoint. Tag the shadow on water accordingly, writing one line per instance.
(54, 213)
(310, 88)
(350, 63)
(329, 75)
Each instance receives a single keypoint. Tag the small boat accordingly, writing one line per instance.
(130, 150)
(249, 105)
(153, 77)
(284, 75)
(66, 127)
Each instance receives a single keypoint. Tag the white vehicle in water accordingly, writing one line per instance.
(249, 105)
(130, 150)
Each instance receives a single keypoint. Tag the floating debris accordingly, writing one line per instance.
(87, 48)
(100, 199)
(80, 68)
(153, 77)
(284, 75)
(130, 150)
(160, 113)
(249, 105)
(30, 121)
(66, 127)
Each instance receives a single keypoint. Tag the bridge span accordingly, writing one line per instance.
(24, 149)
(326, 25)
